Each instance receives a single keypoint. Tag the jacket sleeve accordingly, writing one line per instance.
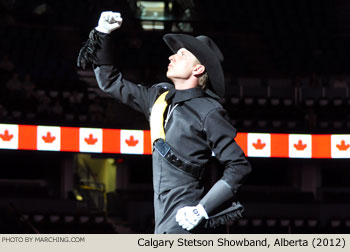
(221, 138)
(99, 50)
(111, 81)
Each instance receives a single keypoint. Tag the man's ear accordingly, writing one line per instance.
(198, 69)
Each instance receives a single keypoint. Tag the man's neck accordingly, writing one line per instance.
(185, 84)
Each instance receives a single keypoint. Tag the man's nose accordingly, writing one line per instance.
(172, 58)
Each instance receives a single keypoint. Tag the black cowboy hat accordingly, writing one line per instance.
(207, 52)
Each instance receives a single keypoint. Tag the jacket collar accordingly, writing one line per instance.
(178, 96)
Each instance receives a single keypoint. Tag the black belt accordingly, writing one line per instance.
(165, 151)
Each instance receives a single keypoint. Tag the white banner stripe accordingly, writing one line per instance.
(9, 136)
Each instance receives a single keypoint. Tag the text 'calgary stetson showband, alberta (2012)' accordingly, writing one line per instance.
(225, 242)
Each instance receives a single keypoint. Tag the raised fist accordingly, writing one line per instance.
(109, 21)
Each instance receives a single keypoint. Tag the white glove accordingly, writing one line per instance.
(109, 21)
(189, 217)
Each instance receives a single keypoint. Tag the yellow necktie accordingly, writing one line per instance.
(157, 118)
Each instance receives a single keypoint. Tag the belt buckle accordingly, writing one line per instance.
(162, 147)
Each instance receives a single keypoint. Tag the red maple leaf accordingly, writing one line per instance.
(6, 136)
(48, 138)
(131, 142)
(300, 146)
(90, 140)
(258, 145)
(342, 146)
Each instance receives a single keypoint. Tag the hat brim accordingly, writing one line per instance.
(205, 55)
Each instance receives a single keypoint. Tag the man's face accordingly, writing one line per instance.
(181, 65)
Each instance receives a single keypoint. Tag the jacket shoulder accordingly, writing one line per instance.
(207, 103)
(205, 106)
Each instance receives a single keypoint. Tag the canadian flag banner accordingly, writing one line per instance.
(300, 146)
(340, 146)
(49, 138)
(97, 140)
(259, 145)
(131, 141)
(90, 140)
(8, 136)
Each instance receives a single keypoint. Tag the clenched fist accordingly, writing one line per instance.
(109, 21)
(189, 217)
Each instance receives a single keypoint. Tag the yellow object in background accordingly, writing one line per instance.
(100, 170)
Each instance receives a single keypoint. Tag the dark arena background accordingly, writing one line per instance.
(287, 76)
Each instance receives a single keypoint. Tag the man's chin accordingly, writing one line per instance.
(169, 76)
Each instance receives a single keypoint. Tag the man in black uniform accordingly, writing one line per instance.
(195, 126)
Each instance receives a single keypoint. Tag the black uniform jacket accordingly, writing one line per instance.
(197, 128)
